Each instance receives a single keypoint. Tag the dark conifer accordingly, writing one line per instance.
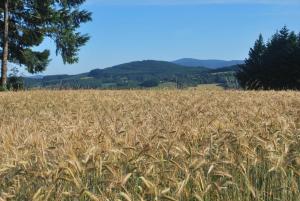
(25, 24)
(249, 74)
(274, 65)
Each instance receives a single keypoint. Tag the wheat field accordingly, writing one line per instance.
(188, 145)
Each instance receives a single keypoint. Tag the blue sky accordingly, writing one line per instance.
(128, 30)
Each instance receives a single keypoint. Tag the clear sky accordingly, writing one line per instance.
(128, 30)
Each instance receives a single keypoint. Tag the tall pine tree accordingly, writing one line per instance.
(274, 65)
(297, 58)
(280, 60)
(249, 74)
(24, 24)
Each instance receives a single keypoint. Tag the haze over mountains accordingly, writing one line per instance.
(209, 63)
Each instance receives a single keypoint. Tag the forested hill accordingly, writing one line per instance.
(143, 70)
(138, 74)
(209, 63)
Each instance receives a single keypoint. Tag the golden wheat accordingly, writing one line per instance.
(205, 145)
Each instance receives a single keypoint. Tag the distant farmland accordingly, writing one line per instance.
(195, 145)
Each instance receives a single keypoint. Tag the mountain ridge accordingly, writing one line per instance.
(208, 63)
(136, 74)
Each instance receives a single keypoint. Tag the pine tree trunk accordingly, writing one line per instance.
(5, 47)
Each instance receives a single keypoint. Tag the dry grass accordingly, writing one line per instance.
(150, 145)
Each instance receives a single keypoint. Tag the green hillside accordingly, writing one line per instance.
(138, 74)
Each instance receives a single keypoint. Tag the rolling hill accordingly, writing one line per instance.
(212, 63)
(137, 74)
(145, 70)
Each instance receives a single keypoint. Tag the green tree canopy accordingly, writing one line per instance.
(249, 73)
(275, 65)
(29, 22)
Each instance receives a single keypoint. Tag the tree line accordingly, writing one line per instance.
(274, 64)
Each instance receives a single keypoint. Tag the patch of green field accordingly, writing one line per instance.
(208, 87)
(167, 85)
(86, 78)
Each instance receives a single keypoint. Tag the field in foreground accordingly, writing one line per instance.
(193, 145)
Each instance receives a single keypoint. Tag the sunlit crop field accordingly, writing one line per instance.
(188, 145)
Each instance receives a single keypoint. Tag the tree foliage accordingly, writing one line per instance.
(150, 83)
(31, 21)
(274, 65)
(15, 80)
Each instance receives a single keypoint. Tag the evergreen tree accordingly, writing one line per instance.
(280, 60)
(297, 59)
(249, 74)
(15, 81)
(274, 65)
(25, 24)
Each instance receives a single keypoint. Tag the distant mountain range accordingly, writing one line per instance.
(212, 63)
(141, 74)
